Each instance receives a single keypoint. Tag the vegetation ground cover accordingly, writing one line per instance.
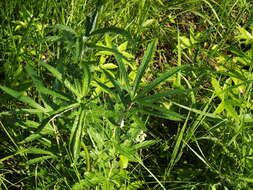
(147, 94)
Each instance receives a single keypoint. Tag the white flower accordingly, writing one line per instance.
(122, 123)
(141, 137)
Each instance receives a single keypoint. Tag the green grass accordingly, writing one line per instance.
(126, 94)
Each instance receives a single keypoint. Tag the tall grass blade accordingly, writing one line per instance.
(163, 94)
(197, 111)
(161, 112)
(179, 141)
(159, 80)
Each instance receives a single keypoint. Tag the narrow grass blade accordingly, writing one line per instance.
(166, 93)
(37, 151)
(161, 112)
(29, 151)
(105, 88)
(159, 80)
(91, 20)
(146, 60)
(25, 99)
(197, 111)
(176, 149)
(33, 126)
(179, 58)
(145, 144)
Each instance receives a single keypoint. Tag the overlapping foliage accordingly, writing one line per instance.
(126, 95)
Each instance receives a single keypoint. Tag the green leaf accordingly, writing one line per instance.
(231, 111)
(220, 108)
(63, 27)
(91, 20)
(247, 179)
(39, 159)
(96, 137)
(161, 112)
(217, 88)
(60, 77)
(22, 111)
(76, 134)
(40, 86)
(102, 48)
(108, 66)
(149, 53)
(156, 97)
(116, 31)
(37, 151)
(113, 81)
(53, 38)
(123, 162)
(86, 79)
(128, 153)
(45, 122)
(245, 35)
(159, 80)
(22, 98)
(123, 72)
(80, 185)
(145, 144)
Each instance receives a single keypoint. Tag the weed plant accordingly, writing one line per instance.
(126, 94)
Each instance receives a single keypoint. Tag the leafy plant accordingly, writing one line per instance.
(103, 137)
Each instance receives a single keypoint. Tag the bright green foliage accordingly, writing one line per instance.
(126, 95)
